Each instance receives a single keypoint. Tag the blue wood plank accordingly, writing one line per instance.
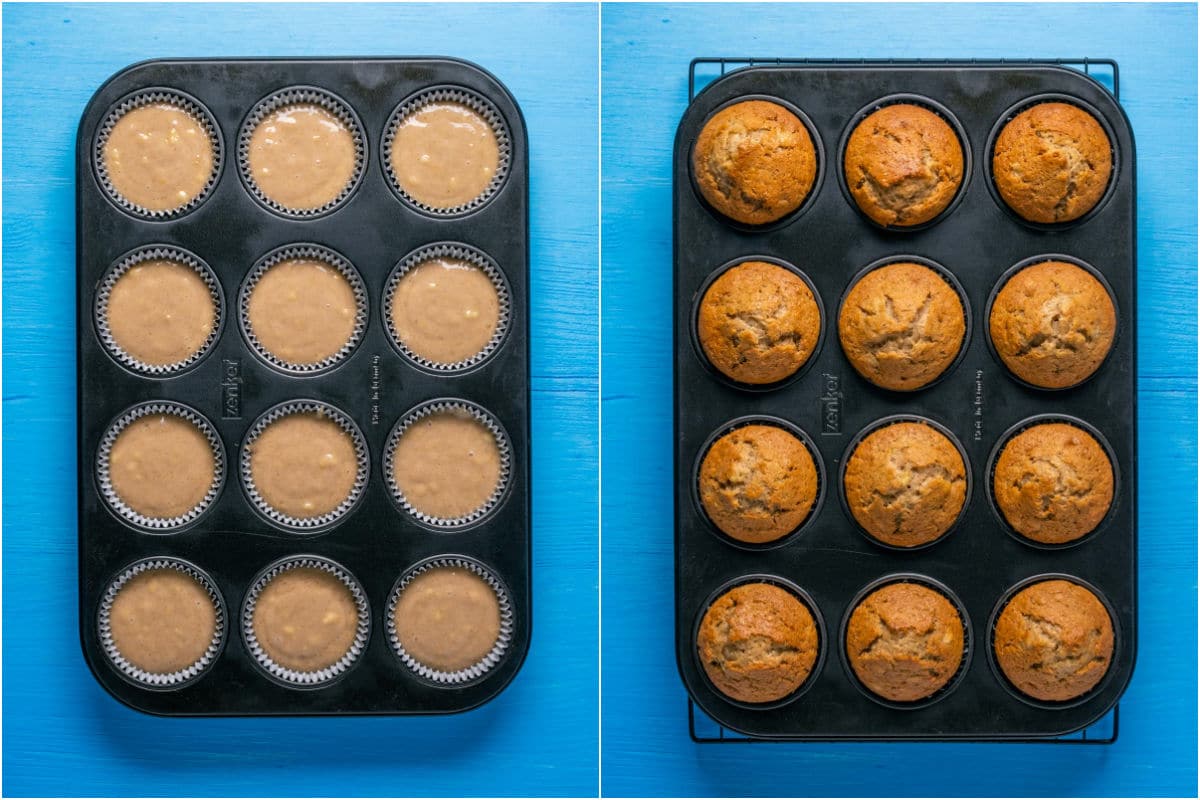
(645, 55)
(62, 733)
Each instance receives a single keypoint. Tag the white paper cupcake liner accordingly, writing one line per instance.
(159, 680)
(301, 95)
(104, 478)
(476, 671)
(319, 522)
(141, 255)
(313, 252)
(477, 103)
(315, 678)
(146, 97)
(449, 406)
(461, 252)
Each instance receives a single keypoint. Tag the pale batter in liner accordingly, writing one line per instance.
(445, 310)
(444, 155)
(302, 311)
(447, 619)
(160, 312)
(447, 465)
(302, 156)
(159, 157)
(162, 621)
(162, 466)
(305, 619)
(303, 465)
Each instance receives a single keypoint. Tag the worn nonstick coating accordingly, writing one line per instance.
(375, 386)
(978, 400)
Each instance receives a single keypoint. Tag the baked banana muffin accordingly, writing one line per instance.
(905, 484)
(903, 164)
(1053, 324)
(904, 641)
(1053, 483)
(1052, 162)
(758, 643)
(902, 326)
(1054, 641)
(758, 323)
(754, 162)
(758, 483)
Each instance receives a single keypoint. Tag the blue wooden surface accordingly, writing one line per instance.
(62, 733)
(646, 50)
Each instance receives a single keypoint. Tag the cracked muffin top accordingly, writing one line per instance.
(758, 643)
(904, 642)
(905, 484)
(901, 326)
(1054, 641)
(1052, 162)
(1053, 324)
(1053, 483)
(903, 165)
(758, 323)
(758, 483)
(754, 162)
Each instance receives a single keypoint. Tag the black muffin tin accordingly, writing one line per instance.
(232, 386)
(978, 400)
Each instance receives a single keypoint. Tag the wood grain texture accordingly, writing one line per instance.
(62, 733)
(645, 55)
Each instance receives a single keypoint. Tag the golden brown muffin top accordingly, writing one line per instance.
(904, 164)
(754, 162)
(1053, 483)
(758, 643)
(1053, 324)
(1054, 640)
(905, 641)
(758, 483)
(758, 323)
(905, 484)
(1052, 162)
(902, 326)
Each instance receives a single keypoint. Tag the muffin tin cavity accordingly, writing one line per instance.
(942, 376)
(303, 320)
(241, 381)
(158, 153)
(461, 172)
(926, 104)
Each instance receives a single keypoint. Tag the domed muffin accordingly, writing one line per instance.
(1053, 483)
(902, 326)
(1052, 162)
(758, 643)
(758, 323)
(903, 164)
(1054, 641)
(754, 162)
(1053, 324)
(904, 642)
(905, 484)
(758, 483)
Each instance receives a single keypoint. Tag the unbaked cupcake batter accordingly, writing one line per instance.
(444, 155)
(305, 619)
(302, 156)
(448, 618)
(160, 312)
(445, 310)
(303, 464)
(159, 157)
(161, 466)
(447, 465)
(162, 621)
(302, 310)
